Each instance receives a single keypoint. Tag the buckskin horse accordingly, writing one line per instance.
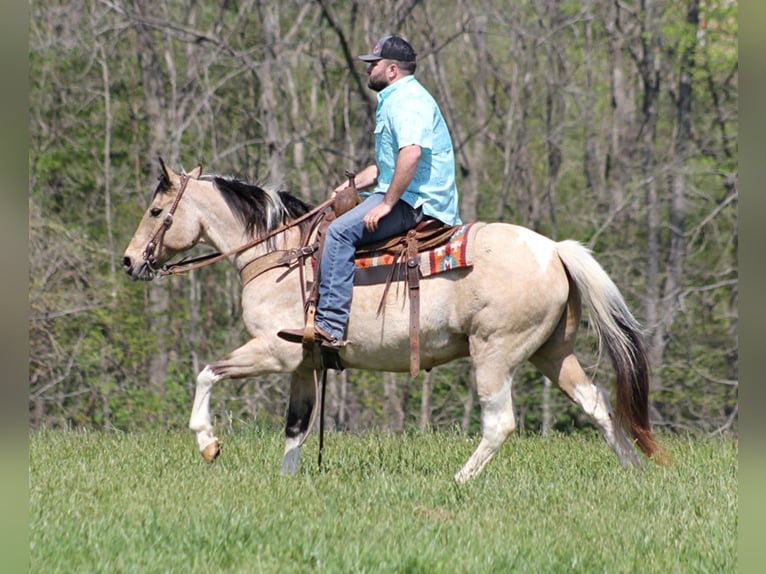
(521, 299)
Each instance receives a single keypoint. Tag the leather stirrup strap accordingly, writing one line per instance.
(413, 282)
(308, 331)
(311, 303)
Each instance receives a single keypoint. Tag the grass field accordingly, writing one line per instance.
(381, 503)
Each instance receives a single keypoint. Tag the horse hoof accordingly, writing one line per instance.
(211, 451)
(291, 461)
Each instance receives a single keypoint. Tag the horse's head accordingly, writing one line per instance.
(168, 227)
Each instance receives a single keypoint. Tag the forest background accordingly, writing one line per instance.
(610, 122)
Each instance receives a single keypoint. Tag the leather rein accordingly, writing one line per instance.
(191, 264)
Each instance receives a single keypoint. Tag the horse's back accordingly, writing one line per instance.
(514, 245)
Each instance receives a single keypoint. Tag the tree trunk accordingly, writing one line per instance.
(554, 108)
(465, 423)
(107, 159)
(677, 249)
(547, 416)
(270, 101)
(592, 163)
(394, 409)
(651, 78)
(620, 137)
(155, 110)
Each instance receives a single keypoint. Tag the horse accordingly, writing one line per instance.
(521, 300)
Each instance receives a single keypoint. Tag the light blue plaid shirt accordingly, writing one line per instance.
(407, 114)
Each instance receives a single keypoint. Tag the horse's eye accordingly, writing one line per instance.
(155, 211)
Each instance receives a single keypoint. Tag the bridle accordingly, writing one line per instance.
(190, 264)
(156, 240)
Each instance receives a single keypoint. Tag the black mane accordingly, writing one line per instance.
(259, 210)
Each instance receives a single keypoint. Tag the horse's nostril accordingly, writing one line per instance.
(127, 264)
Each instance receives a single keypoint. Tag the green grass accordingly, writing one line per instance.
(381, 503)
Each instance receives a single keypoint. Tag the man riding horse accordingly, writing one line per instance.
(413, 175)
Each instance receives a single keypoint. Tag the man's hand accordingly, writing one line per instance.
(373, 216)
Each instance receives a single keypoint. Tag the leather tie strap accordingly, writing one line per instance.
(413, 282)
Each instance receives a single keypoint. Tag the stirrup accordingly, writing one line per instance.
(320, 336)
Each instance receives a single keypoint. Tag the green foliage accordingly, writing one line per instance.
(145, 502)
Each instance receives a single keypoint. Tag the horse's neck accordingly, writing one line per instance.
(222, 230)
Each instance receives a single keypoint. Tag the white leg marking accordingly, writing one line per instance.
(200, 415)
(497, 422)
(595, 402)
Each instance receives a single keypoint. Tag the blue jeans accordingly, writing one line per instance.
(336, 281)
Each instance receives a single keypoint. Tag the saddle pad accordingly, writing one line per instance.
(457, 252)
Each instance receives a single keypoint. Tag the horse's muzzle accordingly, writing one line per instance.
(141, 272)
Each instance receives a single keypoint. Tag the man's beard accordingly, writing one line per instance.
(376, 85)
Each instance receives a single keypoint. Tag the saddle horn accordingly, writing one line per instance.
(348, 198)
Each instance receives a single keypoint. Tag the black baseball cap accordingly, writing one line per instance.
(390, 48)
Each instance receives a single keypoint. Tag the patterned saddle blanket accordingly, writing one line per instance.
(455, 253)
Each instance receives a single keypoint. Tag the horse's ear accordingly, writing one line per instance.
(196, 172)
(172, 177)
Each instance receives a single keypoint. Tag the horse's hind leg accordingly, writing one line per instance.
(570, 377)
(493, 384)
(302, 400)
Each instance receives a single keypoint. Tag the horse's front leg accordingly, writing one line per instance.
(302, 402)
(199, 423)
(257, 356)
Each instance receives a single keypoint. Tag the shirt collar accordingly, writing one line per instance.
(388, 90)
